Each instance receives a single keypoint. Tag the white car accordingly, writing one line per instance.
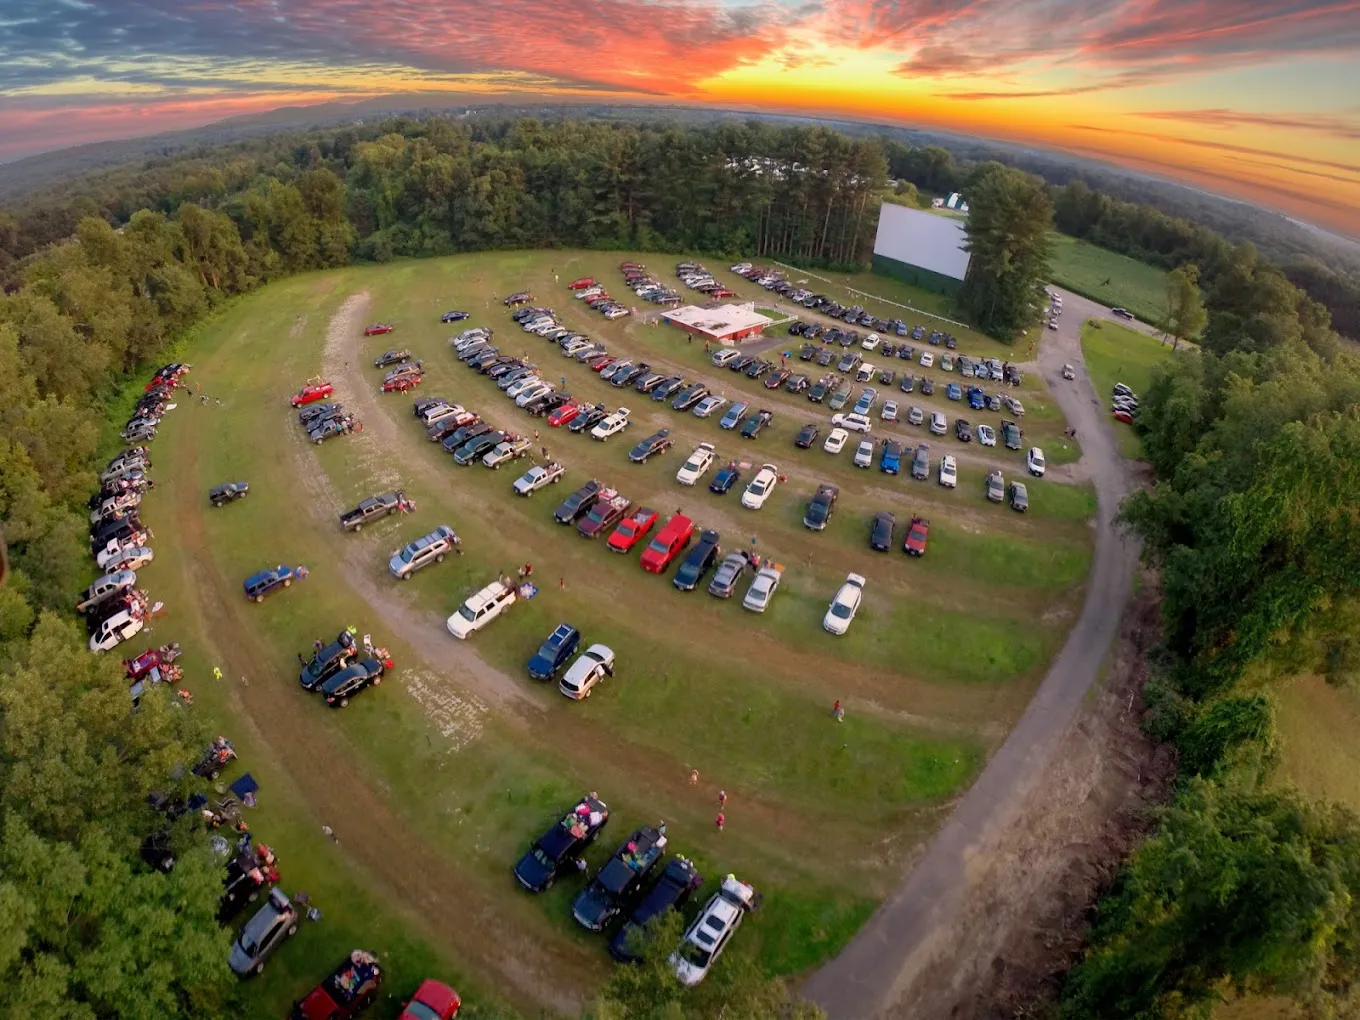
(520, 385)
(939, 425)
(760, 487)
(864, 454)
(536, 477)
(573, 347)
(593, 665)
(708, 405)
(119, 557)
(115, 630)
(763, 588)
(699, 462)
(927, 359)
(889, 411)
(835, 441)
(871, 342)
(708, 936)
(986, 435)
(949, 471)
(612, 424)
(841, 612)
(1068, 372)
(853, 422)
(480, 609)
(527, 394)
(1034, 460)
(915, 416)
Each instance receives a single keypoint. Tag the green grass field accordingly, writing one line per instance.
(1085, 269)
(1114, 354)
(435, 781)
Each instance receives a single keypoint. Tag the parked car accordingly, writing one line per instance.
(563, 844)
(820, 507)
(864, 454)
(762, 589)
(760, 487)
(1011, 434)
(229, 492)
(378, 329)
(963, 432)
(836, 440)
(986, 436)
(433, 1000)
(679, 879)
(260, 584)
(536, 478)
(841, 613)
(357, 676)
(920, 463)
(949, 471)
(1019, 497)
(114, 629)
(729, 572)
(1034, 461)
(853, 422)
(708, 406)
(881, 531)
(326, 662)
(274, 922)
(712, 930)
(427, 549)
(578, 504)
(697, 562)
(890, 457)
(724, 480)
(807, 435)
(668, 543)
(311, 393)
(755, 423)
(632, 528)
(590, 667)
(620, 879)
(918, 536)
(996, 487)
(480, 609)
(611, 425)
(552, 655)
(658, 442)
(607, 510)
(699, 462)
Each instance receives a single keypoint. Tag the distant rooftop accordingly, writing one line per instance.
(721, 321)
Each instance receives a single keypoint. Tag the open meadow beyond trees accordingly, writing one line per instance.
(436, 781)
(1114, 280)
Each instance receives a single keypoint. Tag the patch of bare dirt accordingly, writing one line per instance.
(1024, 915)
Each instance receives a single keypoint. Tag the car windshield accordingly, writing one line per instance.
(657, 546)
(419, 1011)
(695, 954)
(840, 610)
(467, 613)
(408, 554)
(693, 464)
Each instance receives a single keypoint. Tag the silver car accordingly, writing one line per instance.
(431, 548)
(263, 933)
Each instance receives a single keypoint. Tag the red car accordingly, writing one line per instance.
(402, 383)
(917, 536)
(721, 293)
(149, 660)
(433, 1000)
(564, 414)
(602, 362)
(378, 329)
(1123, 416)
(582, 283)
(347, 992)
(311, 393)
(632, 528)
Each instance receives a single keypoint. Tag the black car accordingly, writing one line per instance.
(797, 384)
(221, 495)
(758, 368)
(697, 562)
(631, 375)
(387, 358)
(821, 507)
(825, 357)
(553, 654)
(886, 376)
(563, 844)
(689, 397)
(453, 316)
(454, 442)
(963, 431)
(620, 877)
(881, 531)
(245, 876)
(578, 504)
(658, 442)
(807, 435)
(807, 352)
(725, 479)
(927, 385)
(740, 362)
(308, 416)
(818, 392)
(755, 423)
(649, 382)
(908, 383)
(477, 447)
(668, 388)
(671, 891)
(327, 661)
(587, 419)
(500, 371)
(351, 680)
(546, 403)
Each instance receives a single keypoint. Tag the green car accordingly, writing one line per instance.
(839, 400)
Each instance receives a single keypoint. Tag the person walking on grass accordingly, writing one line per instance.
(838, 711)
(722, 799)
(720, 821)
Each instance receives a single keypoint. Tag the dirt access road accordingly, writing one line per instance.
(933, 921)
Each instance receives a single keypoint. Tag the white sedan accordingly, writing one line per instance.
(927, 359)
(699, 462)
(1034, 460)
(889, 412)
(853, 422)
(760, 488)
(841, 612)
(864, 456)
(835, 441)
(986, 435)
(949, 472)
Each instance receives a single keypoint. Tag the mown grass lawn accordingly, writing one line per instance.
(945, 648)
(1114, 280)
(1114, 354)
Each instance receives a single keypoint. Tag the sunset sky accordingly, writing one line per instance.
(1256, 99)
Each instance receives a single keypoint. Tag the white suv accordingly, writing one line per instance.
(480, 609)
(115, 630)
(853, 422)
(760, 488)
(841, 613)
(699, 462)
(708, 936)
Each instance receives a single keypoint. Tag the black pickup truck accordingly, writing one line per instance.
(375, 506)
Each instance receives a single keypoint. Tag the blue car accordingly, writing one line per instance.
(560, 645)
(954, 391)
(724, 479)
(259, 585)
(977, 400)
(890, 462)
(734, 415)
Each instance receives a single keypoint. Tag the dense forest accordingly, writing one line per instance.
(1254, 437)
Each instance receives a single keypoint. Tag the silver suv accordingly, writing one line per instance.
(263, 933)
(431, 548)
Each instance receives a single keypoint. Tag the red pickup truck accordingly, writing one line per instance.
(669, 542)
(350, 989)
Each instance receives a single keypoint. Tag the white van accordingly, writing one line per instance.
(115, 630)
(866, 372)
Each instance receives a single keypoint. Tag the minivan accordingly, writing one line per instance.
(115, 630)
(431, 548)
